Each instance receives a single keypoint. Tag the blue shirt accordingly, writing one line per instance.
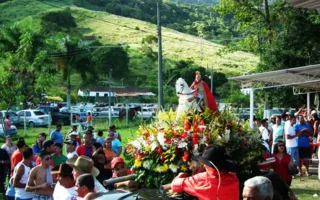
(36, 149)
(303, 141)
(100, 140)
(57, 137)
(116, 144)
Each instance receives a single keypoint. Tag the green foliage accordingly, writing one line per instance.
(57, 21)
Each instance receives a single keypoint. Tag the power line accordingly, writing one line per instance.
(144, 31)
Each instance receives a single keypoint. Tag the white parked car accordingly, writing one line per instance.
(34, 118)
(13, 130)
(146, 113)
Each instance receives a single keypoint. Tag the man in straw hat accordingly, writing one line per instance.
(217, 182)
(84, 165)
(65, 188)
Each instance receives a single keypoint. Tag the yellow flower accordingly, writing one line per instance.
(183, 168)
(137, 163)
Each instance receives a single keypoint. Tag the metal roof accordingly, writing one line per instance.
(307, 77)
(305, 3)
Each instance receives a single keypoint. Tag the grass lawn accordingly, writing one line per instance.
(307, 188)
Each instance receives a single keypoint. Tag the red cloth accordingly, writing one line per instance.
(212, 104)
(81, 151)
(78, 139)
(38, 162)
(281, 167)
(16, 158)
(205, 185)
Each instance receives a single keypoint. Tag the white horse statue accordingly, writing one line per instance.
(187, 102)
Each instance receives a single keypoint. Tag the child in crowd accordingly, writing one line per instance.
(119, 169)
(58, 157)
(100, 138)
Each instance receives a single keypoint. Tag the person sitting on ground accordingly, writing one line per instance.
(84, 165)
(21, 174)
(100, 162)
(65, 187)
(85, 187)
(116, 144)
(100, 138)
(258, 188)
(119, 169)
(71, 149)
(40, 179)
(86, 148)
(58, 157)
(205, 185)
(49, 147)
(112, 128)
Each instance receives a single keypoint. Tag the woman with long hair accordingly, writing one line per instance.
(282, 163)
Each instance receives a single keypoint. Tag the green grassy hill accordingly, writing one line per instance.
(115, 29)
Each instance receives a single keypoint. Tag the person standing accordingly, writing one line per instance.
(264, 131)
(58, 157)
(282, 162)
(86, 148)
(116, 144)
(277, 132)
(100, 138)
(304, 131)
(71, 149)
(65, 187)
(40, 179)
(56, 135)
(21, 174)
(48, 146)
(10, 148)
(89, 119)
(85, 187)
(84, 165)
(291, 141)
(112, 128)
(17, 155)
(4, 162)
(7, 125)
(204, 185)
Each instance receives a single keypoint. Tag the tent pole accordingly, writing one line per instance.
(251, 106)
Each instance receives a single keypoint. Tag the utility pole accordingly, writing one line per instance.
(109, 95)
(160, 88)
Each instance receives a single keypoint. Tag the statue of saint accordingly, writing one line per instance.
(203, 93)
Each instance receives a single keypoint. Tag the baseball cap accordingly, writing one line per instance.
(111, 134)
(115, 161)
(73, 142)
(313, 112)
(63, 169)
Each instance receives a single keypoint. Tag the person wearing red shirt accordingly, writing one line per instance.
(282, 163)
(86, 148)
(48, 146)
(17, 154)
(217, 182)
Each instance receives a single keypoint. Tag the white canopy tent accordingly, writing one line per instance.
(304, 80)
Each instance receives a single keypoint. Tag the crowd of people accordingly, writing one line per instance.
(44, 172)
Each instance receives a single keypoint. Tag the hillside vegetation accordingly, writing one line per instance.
(177, 46)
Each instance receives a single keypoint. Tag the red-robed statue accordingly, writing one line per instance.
(203, 93)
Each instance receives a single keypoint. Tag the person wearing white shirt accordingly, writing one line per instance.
(71, 148)
(264, 131)
(291, 141)
(65, 187)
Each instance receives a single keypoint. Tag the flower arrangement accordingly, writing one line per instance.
(164, 148)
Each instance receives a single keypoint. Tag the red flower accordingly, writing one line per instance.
(162, 158)
(167, 141)
(183, 135)
(186, 124)
(195, 139)
(159, 150)
(185, 157)
(140, 156)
